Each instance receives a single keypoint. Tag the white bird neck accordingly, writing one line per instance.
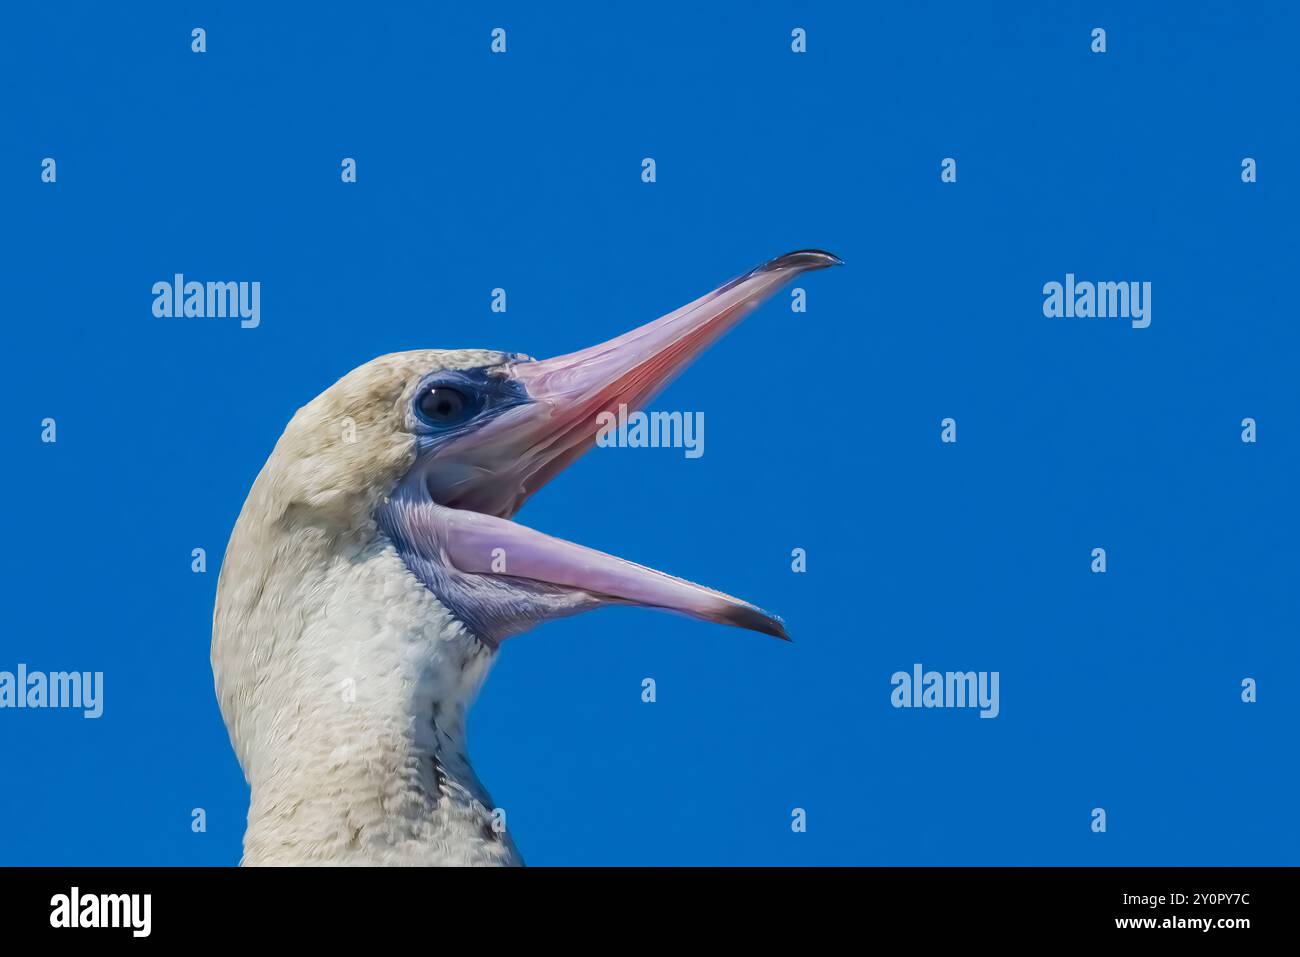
(351, 731)
(397, 790)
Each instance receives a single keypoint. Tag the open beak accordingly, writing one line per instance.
(486, 475)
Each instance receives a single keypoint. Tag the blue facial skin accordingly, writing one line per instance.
(487, 392)
(491, 609)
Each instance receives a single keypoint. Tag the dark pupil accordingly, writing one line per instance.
(442, 405)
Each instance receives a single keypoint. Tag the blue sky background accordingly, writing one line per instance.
(822, 429)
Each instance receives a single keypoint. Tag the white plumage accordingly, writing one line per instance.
(329, 655)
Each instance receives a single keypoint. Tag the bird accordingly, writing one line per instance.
(375, 571)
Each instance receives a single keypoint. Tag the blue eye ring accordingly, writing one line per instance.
(442, 406)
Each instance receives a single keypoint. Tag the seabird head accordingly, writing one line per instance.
(427, 456)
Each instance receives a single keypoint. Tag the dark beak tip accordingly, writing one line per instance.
(754, 619)
(803, 259)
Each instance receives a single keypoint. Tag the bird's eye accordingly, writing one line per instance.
(443, 405)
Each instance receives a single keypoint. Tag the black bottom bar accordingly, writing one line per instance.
(974, 904)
